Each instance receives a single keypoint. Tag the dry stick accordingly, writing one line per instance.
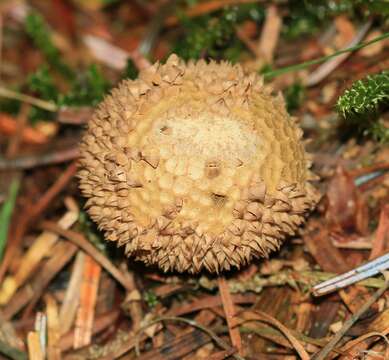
(229, 310)
(69, 305)
(322, 355)
(355, 173)
(325, 69)
(85, 245)
(31, 214)
(46, 105)
(31, 161)
(270, 34)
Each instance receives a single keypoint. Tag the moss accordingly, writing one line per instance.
(308, 17)
(365, 96)
(88, 89)
(294, 96)
(37, 28)
(361, 105)
(214, 36)
(130, 72)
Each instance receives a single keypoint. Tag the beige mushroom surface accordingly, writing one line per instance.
(195, 165)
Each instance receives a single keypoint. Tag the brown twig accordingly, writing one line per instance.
(325, 69)
(85, 245)
(322, 355)
(31, 161)
(229, 310)
(270, 34)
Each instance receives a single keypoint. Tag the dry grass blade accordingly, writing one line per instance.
(214, 337)
(10, 94)
(322, 355)
(31, 161)
(257, 315)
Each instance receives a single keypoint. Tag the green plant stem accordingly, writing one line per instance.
(296, 67)
(6, 213)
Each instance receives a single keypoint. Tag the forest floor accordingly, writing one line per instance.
(66, 293)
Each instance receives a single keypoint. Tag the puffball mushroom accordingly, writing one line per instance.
(195, 165)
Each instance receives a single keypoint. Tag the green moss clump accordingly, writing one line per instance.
(294, 96)
(361, 104)
(37, 28)
(365, 95)
(87, 90)
(130, 72)
(214, 35)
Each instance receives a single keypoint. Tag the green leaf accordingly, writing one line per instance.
(6, 213)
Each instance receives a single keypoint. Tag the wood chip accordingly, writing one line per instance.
(70, 303)
(34, 346)
(53, 329)
(88, 296)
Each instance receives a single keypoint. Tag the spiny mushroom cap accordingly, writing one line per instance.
(195, 166)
